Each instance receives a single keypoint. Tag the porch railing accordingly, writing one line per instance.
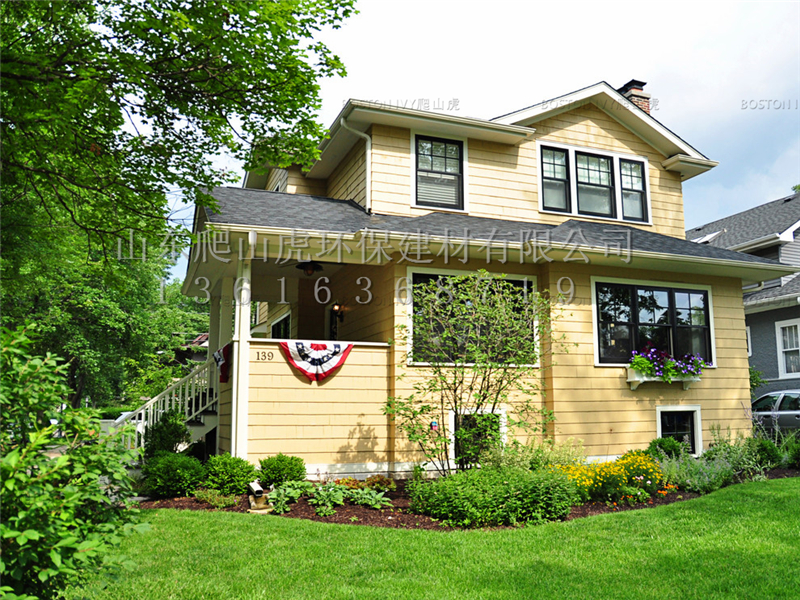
(193, 395)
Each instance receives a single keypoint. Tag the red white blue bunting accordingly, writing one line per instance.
(316, 360)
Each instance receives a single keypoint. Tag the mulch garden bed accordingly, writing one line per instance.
(398, 517)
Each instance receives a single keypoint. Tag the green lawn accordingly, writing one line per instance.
(740, 542)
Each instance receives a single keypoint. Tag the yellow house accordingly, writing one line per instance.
(580, 195)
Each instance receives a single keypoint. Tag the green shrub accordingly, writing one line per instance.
(793, 458)
(215, 498)
(380, 483)
(350, 483)
(765, 451)
(61, 517)
(702, 476)
(170, 475)
(327, 496)
(229, 474)
(367, 497)
(166, 435)
(535, 456)
(289, 492)
(277, 469)
(486, 497)
(741, 453)
(664, 447)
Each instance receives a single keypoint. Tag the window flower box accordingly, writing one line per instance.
(658, 365)
(636, 378)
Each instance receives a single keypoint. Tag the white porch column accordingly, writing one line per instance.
(213, 326)
(225, 334)
(241, 352)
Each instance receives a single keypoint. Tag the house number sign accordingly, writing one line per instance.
(263, 355)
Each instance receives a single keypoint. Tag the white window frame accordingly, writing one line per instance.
(782, 374)
(594, 280)
(451, 425)
(409, 302)
(698, 422)
(573, 181)
(749, 341)
(464, 171)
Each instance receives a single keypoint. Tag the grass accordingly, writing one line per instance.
(740, 542)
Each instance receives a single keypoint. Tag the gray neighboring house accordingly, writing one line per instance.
(772, 310)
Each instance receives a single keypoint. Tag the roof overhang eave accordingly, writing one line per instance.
(360, 115)
(748, 272)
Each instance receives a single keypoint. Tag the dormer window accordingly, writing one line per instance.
(440, 170)
(605, 185)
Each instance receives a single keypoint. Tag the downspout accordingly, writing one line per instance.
(368, 168)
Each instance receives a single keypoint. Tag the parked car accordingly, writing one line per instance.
(781, 408)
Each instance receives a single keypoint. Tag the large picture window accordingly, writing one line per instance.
(450, 350)
(635, 317)
(440, 181)
(580, 181)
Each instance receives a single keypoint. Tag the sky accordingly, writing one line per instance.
(723, 76)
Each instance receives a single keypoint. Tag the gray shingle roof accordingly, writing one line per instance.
(789, 290)
(261, 208)
(752, 224)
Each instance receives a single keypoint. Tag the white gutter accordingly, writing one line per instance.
(368, 166)
(753, 288)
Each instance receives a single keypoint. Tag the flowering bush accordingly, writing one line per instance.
(635, 475)
(641, 470)
(659, 363)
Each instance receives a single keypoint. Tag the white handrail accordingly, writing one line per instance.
(192, 395)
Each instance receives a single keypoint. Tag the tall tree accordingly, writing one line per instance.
(106, 105)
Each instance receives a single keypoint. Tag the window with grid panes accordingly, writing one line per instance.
(595, 184)
(634, 207)
(679, 425)
(439, 173)
(555, 179)
(635, 317)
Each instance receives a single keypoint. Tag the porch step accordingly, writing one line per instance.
(198, 428)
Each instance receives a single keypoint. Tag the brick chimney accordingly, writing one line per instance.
(633, 92)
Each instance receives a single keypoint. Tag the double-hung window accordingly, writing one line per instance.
(637, 317)
(440, 167)
(788, 334)
(596, 184)
(634, 204)
(555, 180)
